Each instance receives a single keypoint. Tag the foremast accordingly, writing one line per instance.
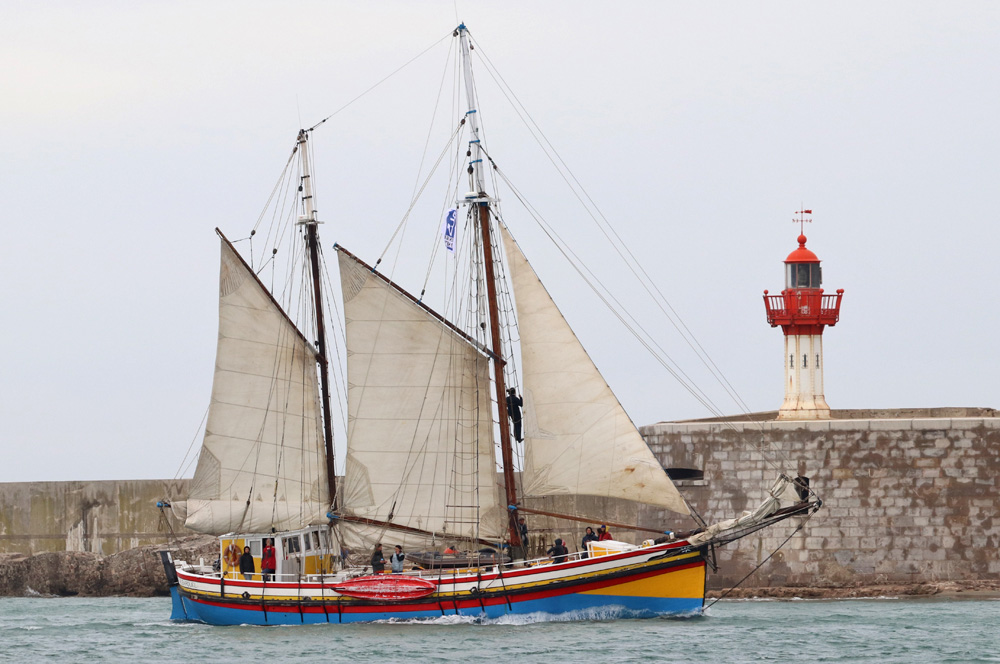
(310, 222)
(480, 200)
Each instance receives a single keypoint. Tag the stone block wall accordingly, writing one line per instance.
(905, 500)
(98, 517)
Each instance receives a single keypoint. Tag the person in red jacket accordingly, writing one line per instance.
(267, 562)
(603, 534)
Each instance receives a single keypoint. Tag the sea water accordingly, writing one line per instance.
(878, 630)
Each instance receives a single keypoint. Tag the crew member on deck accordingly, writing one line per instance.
(247, 564)
(589, 536)
(396, 561)
(267, 560)
(559, 551)
(603, 534)
(378, 562)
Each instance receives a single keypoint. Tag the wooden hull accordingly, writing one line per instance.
(653, 581)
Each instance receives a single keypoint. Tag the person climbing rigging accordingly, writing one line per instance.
(514, 404)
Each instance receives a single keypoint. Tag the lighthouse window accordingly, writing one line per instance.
(791, 361)
(803, 275)
(805, 362)
(817, 360)
(802, 278)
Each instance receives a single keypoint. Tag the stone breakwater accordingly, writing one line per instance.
(909, 496)
(952, 589)
(133, 573)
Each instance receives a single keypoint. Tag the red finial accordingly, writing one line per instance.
(801, 221)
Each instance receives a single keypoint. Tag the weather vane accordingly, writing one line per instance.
(801, 220)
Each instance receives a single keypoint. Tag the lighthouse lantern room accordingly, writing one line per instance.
(803, 311)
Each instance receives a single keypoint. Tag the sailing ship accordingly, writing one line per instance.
(426, 410)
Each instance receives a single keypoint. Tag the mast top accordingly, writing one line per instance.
(477, 187)
(308, 217)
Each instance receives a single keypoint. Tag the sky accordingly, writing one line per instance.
(129, 131)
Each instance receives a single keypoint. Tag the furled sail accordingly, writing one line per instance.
(420, 427)
(578, 438)
(262, 463)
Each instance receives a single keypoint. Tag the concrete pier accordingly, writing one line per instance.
(103, 517)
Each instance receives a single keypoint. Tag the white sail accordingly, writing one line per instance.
(578, 438)
(419, 434)
(262, 463)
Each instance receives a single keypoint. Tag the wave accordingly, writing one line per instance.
(593, 614)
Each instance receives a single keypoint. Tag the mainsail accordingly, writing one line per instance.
(420, 427)
(578, 438)
(262, 463)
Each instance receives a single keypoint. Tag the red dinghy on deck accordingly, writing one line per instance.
(386, 587)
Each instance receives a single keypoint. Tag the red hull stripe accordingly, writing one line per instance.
(508, 576)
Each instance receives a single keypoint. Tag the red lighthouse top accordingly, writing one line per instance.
(802, 255)
(802, 308)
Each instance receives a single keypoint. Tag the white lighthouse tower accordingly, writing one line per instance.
(803, 311)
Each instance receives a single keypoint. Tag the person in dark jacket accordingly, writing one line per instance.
(378, 562)
(558, 552)
(514, 404)
(589, 536)
(247, 565)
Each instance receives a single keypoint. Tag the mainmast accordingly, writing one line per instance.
(478, 197)
(309, 220)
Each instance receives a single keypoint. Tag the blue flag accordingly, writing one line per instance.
(450, 221)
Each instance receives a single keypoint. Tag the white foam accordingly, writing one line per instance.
(597, 614)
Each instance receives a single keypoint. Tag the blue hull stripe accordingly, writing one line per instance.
(598, 606)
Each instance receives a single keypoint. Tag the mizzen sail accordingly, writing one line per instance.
(262, 463)
(420, 425)
(578, 438)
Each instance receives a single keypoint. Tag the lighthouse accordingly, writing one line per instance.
(803, 311)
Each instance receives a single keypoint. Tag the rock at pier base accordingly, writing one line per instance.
(132, 573)
(969, 589)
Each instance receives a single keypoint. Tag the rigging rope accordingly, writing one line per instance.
(634, 266)
(386, 78)
(627, 319)
(761, 564)
(413, 202)
(183, 468)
